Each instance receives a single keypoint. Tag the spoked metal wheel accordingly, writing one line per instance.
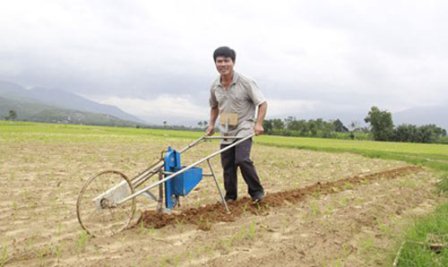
(96, 207)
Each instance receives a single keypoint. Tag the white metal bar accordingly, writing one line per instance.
(150, 195)
(217, 186)
(192, 144)
(184, 169)
(146, 174)
(223, 137)
(142, 177)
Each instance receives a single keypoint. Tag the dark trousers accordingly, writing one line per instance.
(239, 156)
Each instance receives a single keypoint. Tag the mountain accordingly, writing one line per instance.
(32, 111)
(437, 115)
(68, 100)
(45, 105)
(61, 99)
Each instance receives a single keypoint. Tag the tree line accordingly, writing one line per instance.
(12, 115)
(380, 128)
(310, 128)
(383, 129)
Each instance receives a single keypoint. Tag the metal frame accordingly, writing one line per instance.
(117, 194)
(157, 168)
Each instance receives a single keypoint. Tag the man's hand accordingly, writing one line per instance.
(210, 130)
(259, 130)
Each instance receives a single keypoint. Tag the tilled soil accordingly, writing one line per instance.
(207, 214)
(322, 209)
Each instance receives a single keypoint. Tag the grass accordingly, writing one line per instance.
(246, 233)
(432, 229)
(430, 155)
(416, 250)
(443, 183)
(82, 241)
(3, 255)
(81, 133)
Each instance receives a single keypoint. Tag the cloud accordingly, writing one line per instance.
(349, 54)
(174, 109)
(181, 108)
(280, 108)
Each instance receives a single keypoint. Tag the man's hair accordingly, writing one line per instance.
(224, 51)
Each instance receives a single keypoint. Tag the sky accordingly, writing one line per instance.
(153, 59)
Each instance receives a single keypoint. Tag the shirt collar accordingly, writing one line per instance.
(234, 80)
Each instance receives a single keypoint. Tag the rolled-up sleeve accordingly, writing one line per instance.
(255, 93)
(212, 100)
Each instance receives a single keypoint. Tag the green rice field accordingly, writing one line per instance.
(430, 155)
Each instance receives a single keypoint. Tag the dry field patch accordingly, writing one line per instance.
(355, 225)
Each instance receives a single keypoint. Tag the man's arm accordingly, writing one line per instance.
(211, 124)
(262, 109)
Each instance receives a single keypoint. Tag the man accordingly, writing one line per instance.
(234, 98)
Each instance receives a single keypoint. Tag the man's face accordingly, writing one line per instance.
(224, 65)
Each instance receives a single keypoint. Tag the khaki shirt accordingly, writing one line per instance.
(236, 105)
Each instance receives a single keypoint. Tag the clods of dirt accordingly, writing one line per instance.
(206, 215)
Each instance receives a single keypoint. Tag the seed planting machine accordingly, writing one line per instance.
(106, 203)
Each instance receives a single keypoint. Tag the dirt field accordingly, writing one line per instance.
(321, 209)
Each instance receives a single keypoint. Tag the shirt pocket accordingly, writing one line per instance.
(240, 96)
(220, 96)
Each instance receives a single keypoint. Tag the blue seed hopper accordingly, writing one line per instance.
(179, 185)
